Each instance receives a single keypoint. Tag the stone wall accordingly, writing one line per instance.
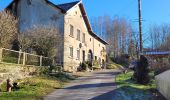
(163, 83)
(15, 72)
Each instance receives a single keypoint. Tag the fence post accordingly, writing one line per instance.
(24, 58)
(40, 60)
(19, 58)
(1, 52)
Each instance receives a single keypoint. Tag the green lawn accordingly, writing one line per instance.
(114, 66)
(35, 88)
(132, 91)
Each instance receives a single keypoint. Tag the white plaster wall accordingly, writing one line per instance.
(74, 17)
(39, 13)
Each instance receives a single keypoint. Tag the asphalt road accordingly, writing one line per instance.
(98, 85)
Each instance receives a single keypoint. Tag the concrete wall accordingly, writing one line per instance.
(74, 18)
(163, 83)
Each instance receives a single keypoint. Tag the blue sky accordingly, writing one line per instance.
(153, 11)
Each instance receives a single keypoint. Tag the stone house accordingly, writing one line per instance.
(80, 43)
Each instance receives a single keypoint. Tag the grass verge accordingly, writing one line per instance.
(129, 90)
(114, 66)
(35, 88)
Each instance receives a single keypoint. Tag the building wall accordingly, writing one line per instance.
(74, 18)
(40, 13)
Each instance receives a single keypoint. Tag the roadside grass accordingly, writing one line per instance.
(35, 88)
(129, 89)
(114, 66)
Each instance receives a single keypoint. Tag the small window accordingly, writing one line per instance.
(83, 40)
(71, 51)
(78, 54)
(99, 45)
(78, 35)
(90, 39)
(71, 30)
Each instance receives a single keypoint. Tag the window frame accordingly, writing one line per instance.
(78, 35)
(71, 34)
(78, 54)
(71, 51)
(83, 38)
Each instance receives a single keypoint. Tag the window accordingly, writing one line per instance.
(71, 30)
(90, 39)
(71, 51)
(78, 35)
(78, 54)
(83, 40)
(99, 45)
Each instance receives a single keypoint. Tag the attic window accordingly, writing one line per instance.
(29, 2)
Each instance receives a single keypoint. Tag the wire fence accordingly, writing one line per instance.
(18, 57)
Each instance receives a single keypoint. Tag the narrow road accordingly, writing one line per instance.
(98, 85)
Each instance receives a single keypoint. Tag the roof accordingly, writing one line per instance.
(4, 4)
(67, 6)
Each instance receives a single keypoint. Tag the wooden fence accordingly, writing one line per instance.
(18, 57)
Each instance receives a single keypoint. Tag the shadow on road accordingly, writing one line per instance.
(128, 93)
(91, 85)
(111, 73)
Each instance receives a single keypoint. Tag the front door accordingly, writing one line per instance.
(83, 56)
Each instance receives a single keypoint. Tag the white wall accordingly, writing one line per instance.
(74, 17)
(163, 83)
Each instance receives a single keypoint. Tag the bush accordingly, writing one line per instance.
(96, 65)
(122, 60)
(141, 74)
(55, 68)
(84, 66)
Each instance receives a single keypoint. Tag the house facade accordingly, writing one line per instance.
(80, 43)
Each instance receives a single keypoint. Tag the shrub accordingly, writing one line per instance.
(84, 66)
(122, 59)
(141, 74)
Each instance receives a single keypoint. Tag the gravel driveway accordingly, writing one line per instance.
(96, 86)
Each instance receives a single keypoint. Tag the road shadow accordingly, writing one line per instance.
(91, 85)
(128, 93)
(111, 73)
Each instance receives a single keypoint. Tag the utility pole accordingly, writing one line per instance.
(140, 26)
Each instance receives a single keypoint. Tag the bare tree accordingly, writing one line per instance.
(159, 36)
(117, 32)
(8, 29)
(45, 40)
